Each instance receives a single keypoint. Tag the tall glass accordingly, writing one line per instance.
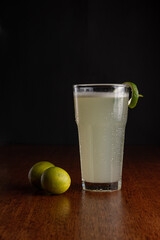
(101, 114)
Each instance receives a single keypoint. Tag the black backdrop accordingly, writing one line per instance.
(46, 48)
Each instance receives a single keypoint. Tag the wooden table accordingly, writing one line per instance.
(129, 214)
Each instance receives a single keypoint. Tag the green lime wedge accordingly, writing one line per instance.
(135, 94)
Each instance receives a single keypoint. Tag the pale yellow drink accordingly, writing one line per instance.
(101, 119)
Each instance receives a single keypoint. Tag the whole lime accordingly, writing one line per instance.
(36, 171)
(55, 180)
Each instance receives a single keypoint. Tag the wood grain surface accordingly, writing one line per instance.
(130, 214)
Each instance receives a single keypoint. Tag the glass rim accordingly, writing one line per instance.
(101, 85)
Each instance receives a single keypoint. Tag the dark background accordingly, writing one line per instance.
(46, 48)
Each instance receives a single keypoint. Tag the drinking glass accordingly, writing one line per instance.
(101, 114)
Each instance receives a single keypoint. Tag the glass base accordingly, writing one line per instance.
(101, 187)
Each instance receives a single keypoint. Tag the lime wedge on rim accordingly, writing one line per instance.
(134, 94)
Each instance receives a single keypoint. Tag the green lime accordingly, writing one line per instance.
(55, 180)
(135, 94)
(36, 171)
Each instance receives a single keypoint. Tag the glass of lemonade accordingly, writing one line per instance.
(101, 114)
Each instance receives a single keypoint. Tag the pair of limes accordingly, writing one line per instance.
(47, 176)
